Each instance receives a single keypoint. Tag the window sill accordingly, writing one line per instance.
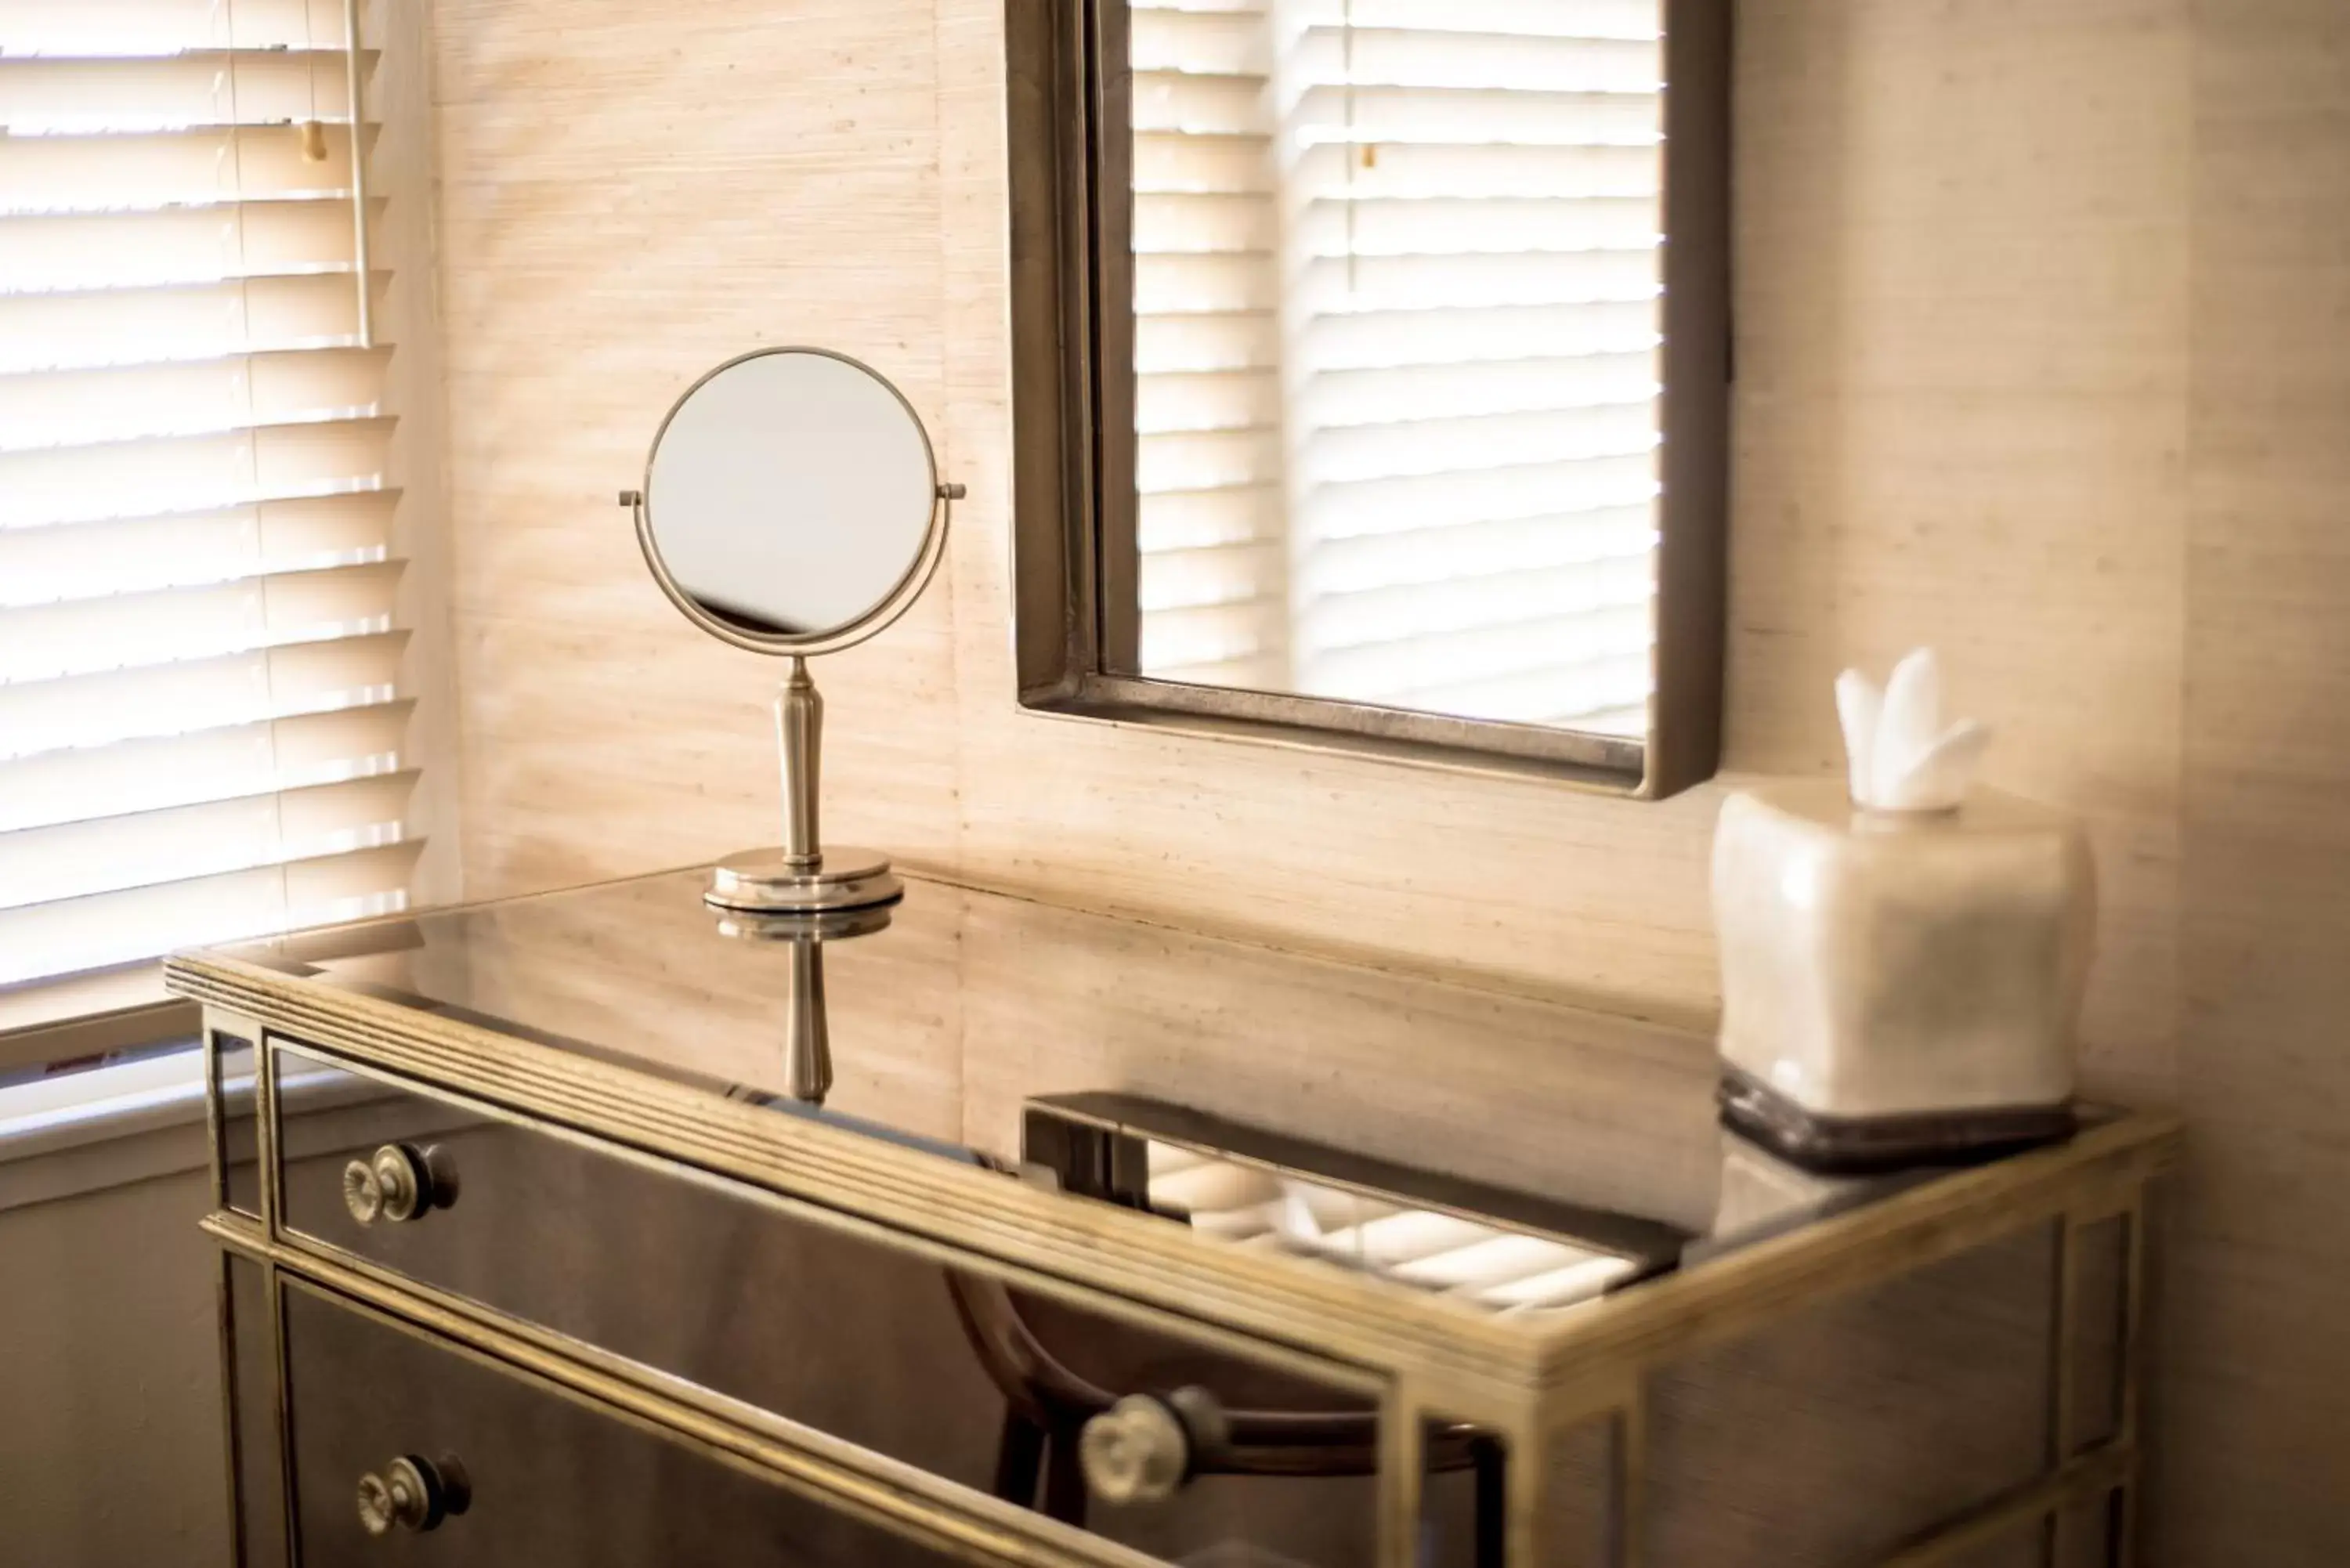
(78, 1016)
(86, 1128)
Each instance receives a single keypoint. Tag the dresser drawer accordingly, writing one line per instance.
(409, 1450)
(800, 1314)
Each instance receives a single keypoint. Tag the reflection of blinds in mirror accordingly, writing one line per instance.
(1462, 421)
(1207, 296)
(200, 722)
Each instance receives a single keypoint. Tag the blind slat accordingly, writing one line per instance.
(128, 631)
(1249, 673)
(114, 854)
(183, 168)
(1413, 668)
(1546, 116)
(1608, 694)
(1193, 519)
(49, 95)
(1429, 57)
(1510, 19)
(1383, 339)
(1190, 284)
(1217, 43)
(1216, 634)
(1436, 225)
(116, 928)
(1171, 165)
(1476, 549)
(146, 479)
(1337, 171)
(157, 27)
(1201, 105)
(1394, 505)
(66, 785)
(1476, 444)
(1216, 457)
(77, 407)
(1386, 394)
(1216, 574)
(201, 321)
(175, 247)
(1182, 343)
(1181, 224)
(1220, 400)
(1599, 596)
(1334, 285)
(140, 554)
(198, 695)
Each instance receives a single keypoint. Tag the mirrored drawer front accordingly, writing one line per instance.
(1149, 1439)
(407, 1450)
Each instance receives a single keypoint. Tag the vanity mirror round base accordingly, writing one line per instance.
(766, 881)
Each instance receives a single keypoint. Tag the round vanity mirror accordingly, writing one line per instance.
(791, 501)
(792, 507)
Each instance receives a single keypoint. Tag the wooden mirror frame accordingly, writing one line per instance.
(1073, 444)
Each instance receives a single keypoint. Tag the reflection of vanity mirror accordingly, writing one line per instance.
(808, 1024)
(792, 507)
(1371, 372)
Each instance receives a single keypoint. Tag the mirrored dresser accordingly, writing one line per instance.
(601, 1227)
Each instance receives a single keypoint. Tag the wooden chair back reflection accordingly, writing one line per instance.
(1309, 1434)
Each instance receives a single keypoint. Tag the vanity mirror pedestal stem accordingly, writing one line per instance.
(802, 875)
(799, 741)
(807, 1059)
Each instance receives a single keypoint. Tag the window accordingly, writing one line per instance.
(203, 724)
(1396, 282)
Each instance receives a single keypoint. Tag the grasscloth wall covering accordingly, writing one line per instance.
(2044, 357)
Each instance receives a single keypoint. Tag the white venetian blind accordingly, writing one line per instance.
(200, 724)
(1464, 335)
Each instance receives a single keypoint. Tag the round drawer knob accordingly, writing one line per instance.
(412, 1493)
(1143, 1448)
(396, 1183)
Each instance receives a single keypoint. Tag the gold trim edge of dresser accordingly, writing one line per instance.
(1338, 1316)
(2097, 1174)
(2108, 1467)
(899, 1497)
(1370, 1383)
(1344, 1316)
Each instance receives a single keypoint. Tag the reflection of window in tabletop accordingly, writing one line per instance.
(1483, 1265)
(1396, 288)
(201, 729)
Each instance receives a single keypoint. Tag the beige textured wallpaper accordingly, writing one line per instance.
(2045, 358)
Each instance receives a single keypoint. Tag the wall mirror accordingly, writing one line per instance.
(792, 507)
(1370, 370)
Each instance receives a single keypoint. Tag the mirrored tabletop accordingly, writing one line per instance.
(1505, 1151)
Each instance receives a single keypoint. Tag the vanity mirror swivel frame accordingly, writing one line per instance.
(1079, 595)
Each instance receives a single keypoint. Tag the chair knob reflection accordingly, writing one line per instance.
(1076, 1440)
(1143, 1448)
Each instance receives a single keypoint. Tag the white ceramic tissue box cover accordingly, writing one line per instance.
(1880, 964)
